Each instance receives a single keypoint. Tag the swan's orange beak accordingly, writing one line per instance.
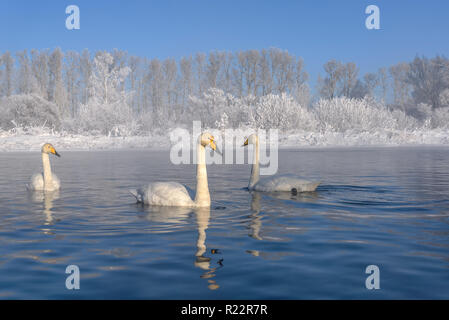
(245, 143)
(53, 150)
(214, 146)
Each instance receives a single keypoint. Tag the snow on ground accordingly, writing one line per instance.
(379, 138)
(22, 141)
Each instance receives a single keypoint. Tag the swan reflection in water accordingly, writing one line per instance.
(255, 218)
(46, 198)
(255, 223)
(177, 216)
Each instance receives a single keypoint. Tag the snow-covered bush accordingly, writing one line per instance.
(217, 109)
(343, 114)
(282, 112)
(209, 107)
(28, 111)
(145, 121)
(404, 121)
(241, 111)
(440, 118)
(111, 119)
(444, 98)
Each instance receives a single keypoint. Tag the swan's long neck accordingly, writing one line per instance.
(48, 178)
(255, 167)
(202, 197)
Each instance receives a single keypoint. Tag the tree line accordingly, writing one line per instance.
(421, 81)
(81, 87)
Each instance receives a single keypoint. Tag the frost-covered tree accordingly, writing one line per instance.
(383, 83)
(208, 107)
(328, 84)
(155, 85)
(429, 79)
(170, 89)
(401, 88)
(282, 112)
(359, 91)
(283, 70)
(186, 75)
(444, 98)
(349, 73)
(371, 82)
(56, 89)
(106, 80)
(24, 77)
(250, 62)
(134, 64)
(440, 118)
(7, 62)
(358, 115)
(212, 69)
(107, 110)
(265, 75)
(200, 72)
(225, 80)
(113, 93)
(72, 80)
(39, 67)
(301, 90)
(85, 65)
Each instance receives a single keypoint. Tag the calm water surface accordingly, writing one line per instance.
(385, 206)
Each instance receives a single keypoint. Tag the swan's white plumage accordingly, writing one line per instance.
(46, 181)
(276, 183)
(164, 194)
(285, 183)
(37, 183)
(175, 194)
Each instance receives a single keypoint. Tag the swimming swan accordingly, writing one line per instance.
(175, 194)
(46, 181)
(274, 183)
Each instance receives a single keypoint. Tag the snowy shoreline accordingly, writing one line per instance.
(10, 142)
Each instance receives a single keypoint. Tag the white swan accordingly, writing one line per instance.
(46, 181)
(175, 194)
(274, 183)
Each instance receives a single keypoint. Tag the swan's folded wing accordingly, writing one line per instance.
(36, 182)
(56, 182)
(163, 194)
(285, 183)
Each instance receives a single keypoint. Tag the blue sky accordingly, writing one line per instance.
(315, 30)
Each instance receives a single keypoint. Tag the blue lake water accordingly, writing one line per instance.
(387, 207)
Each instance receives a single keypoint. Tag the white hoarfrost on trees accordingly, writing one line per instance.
(215, 109)
(107, 109)
(27, 111)
(113, 94)
(209, 108)
(343, 114)
(282, 112)
(440, 118)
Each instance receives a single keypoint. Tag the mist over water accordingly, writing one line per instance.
(376, 206)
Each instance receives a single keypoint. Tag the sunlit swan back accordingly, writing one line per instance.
(275, 183)
(176, 194)
(45, 181)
